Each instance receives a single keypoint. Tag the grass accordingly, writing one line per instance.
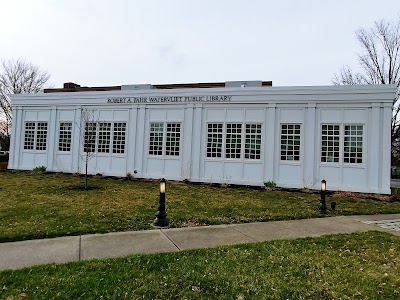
(356, 266)
(49, 205)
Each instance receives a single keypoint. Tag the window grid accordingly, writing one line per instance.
(214, 139)
(173, 139)
(104, 139)
(290, 142)
(41, 136)
(353, 144)
(119, 137)
(156, 138)
(29, 140)
(233, 140)
(252, 146)
(65, 136)
(330, 143)
(90, 137)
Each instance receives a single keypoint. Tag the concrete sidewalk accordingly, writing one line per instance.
(75, 248)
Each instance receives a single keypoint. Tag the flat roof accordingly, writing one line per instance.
(73, 87)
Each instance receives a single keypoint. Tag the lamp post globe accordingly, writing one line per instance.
(322, 202)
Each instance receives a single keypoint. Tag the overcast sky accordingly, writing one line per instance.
(100, 43)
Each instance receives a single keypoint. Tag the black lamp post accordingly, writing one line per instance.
(161, 215)
(322, 202)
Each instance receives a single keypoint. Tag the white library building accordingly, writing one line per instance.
(232, 133)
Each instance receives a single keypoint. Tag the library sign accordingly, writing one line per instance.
(170, 99)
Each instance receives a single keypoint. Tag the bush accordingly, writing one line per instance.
(39, 169)
(4, 157)
(270, 184)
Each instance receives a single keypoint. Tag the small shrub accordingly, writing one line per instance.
(270, 184)
(39, 169)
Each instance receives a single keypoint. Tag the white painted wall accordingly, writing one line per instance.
(310, 107)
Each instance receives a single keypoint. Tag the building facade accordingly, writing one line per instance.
(236, 133)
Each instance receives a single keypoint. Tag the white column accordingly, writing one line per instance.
(77, 136)
(310, 147)
(270, 134)
(198, 150)
(374, 142)
(131, 140)
(52, 143)
(186, 142)
(140, 147)
(386, 147)
(16, 138)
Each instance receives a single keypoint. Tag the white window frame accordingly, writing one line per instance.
(340, 144)
(242, 141)
(65, 132)
(164, 139)
(36, 136)
(300, 146)
(341, 161)
(362, 141)
(111, 145)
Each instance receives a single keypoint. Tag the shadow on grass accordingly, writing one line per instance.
(83, 188)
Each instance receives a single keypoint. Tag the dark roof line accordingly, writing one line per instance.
(73, 87)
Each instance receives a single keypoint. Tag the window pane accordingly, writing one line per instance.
(65, 136)
(290, 141)
(29, 139)
(233, 140)
(41, 136)
(119, 131)
(103, 145)
(252, 149)
(329, 139)
(90, 137)
(214, 140)
(156, 138)
(173, 139)
(353, 144)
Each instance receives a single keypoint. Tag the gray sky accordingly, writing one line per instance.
(96, 43)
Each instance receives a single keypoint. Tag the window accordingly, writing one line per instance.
(90, 137)
(103, 144)
(252, 146)
(173, 139)
(29, 140)
(119, 138)
(237, 142)
(233, 140)
(214, 140)
(330, 140)
(65, 136)
(156, 138)
(353, 144)
(105, 137)
(35, 136)
(171, 145)
(290, 142)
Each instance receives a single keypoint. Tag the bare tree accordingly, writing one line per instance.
(87, 126)
(379, 62)
(17, 77)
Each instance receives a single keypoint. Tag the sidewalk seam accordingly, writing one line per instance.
(80, 248)
(170, 240)
(253, 239)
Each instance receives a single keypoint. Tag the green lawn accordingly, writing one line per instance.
(48, 205)
(356, 266)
